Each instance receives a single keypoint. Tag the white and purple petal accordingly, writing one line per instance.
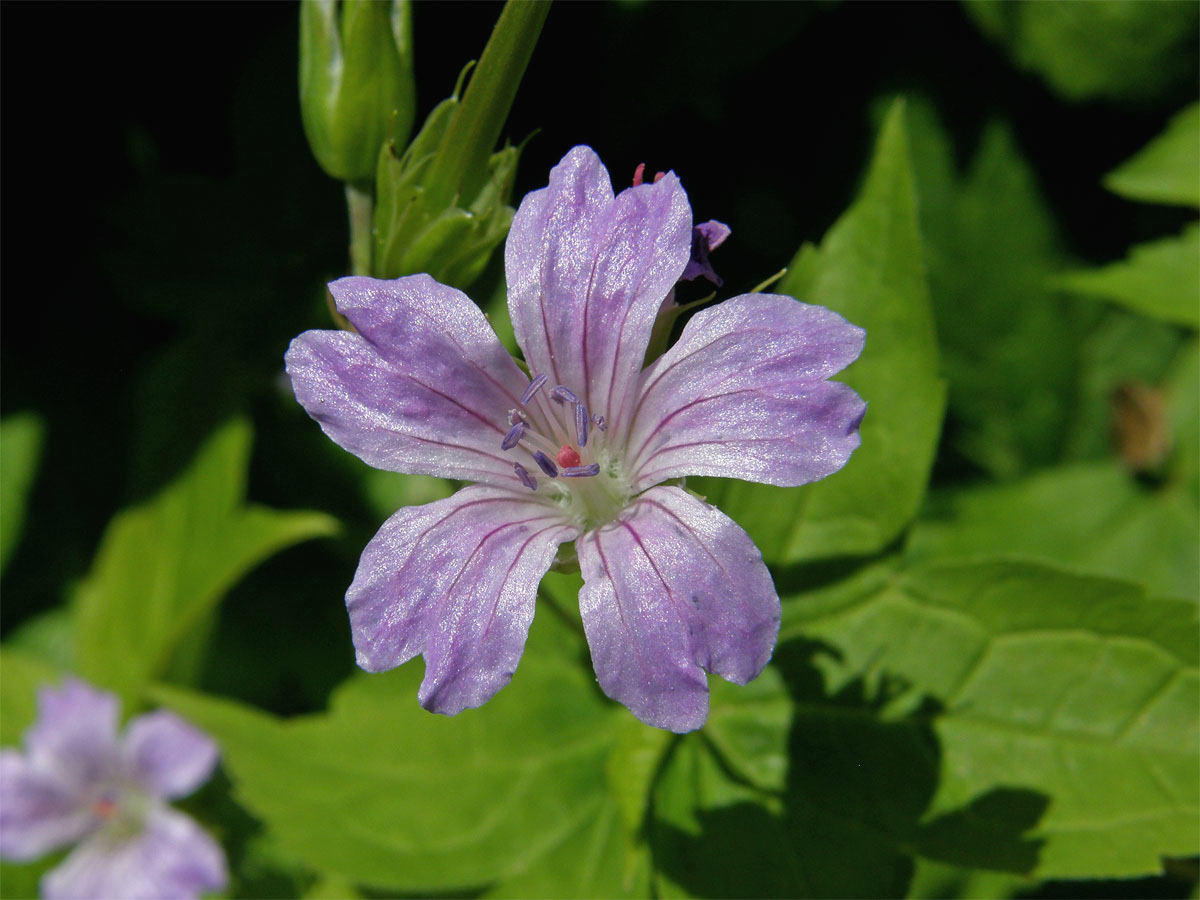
(171, 858)
(455, 580)
(744, 394)
(168, 756)
(39, 810)
(587, 273)
(75, 735)
(423, 388)
(674, 589)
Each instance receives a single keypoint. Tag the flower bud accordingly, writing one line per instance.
(453, 243)
(356, 81)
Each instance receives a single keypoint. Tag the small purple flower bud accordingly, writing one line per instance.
(534, 385)
(526, 478)
(513, 437)
(581, 471)
(546, 463)
(581, 424)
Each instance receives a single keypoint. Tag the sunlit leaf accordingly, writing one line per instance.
(379, 792)
(1093, 517)
(989, 716)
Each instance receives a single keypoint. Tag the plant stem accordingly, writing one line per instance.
(360, 207)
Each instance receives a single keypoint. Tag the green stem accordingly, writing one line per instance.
(469, 141)
(360, 206)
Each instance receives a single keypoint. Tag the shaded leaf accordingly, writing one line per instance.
(20, 446)
(1081, 690)
(1167, 170)
(1008, 343)
(869, 268)
(1159, 278)
(164, 565)
(1116, 49)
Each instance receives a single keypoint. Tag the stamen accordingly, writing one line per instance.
(537, 382)
(513, 437)
(526, 478)
(515, 416)
(561, 394)
(568, 456)
(581, 424)
(637, 174)
(545, 463)
(598, 421)
(581, 471)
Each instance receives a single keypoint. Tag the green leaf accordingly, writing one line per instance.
(379, 792)
(1093, 517)
(1008, 343)
(1001, 717)
(1184, 406)
(1167, 170)
(1159, 278)
(934, 879)
(20, 447)
(21, 674)
(164, 565)
(869, 268)
(1126, 50)
(1079, 691)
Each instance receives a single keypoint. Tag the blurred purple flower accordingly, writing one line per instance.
(673, 588)
(78, 782)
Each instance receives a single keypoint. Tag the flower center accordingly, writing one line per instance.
(559, 439)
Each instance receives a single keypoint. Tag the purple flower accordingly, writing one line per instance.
(579, 452)
(706, 237)
(78, 782)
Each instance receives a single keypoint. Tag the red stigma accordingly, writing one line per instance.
(659, 177)
(568, 456)
(637, 174)
(104, 809)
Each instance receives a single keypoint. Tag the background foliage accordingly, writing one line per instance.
(986, 683)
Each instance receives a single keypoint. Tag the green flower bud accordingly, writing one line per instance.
(356, 82)
(442, 204)
(452, 243)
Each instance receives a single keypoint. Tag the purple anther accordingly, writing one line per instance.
(598, 421)
(561, 394)
(526, 478)
(537, 382)
(581, 424)
(515, 416)
(546, 463)
(513, 437)
(581, 471)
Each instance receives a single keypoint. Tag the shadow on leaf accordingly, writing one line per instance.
(864, 764)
